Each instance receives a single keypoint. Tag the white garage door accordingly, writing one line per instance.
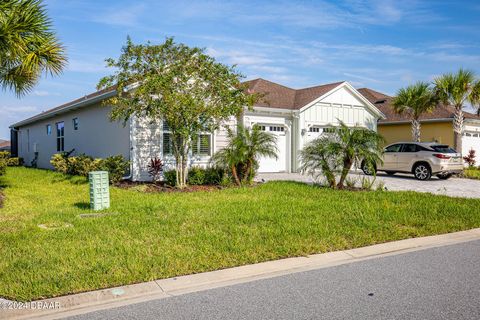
(471, 140)
(272, 164)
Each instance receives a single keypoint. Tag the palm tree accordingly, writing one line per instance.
(244, 149)
(28, 46)
(475, 96)
(455, 89)
(336, 152)
(415, 100)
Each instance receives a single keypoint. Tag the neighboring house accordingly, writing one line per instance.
(435, 126)
(294, 116)
(4, 145)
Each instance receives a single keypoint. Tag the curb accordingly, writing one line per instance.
(158, 289)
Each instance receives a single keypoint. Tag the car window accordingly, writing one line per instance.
(410, 147)
(443, 149)
(393, 148)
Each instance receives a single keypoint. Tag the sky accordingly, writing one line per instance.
(383, 45)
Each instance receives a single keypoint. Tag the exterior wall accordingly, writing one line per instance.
(430, 131)
(96, 136)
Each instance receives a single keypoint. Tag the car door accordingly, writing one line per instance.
(390, 157)
(406, 157)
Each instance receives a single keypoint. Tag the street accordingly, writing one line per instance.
(436, 283)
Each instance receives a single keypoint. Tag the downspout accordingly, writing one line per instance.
(296, 140)
(131, 148)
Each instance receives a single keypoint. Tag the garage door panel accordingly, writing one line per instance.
(271, 164)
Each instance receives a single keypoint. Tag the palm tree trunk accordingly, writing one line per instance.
(458, 128)
(416, 130)
(235, 176)
(347, 164)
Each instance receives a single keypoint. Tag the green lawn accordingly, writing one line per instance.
(471, 173)
(155, 236)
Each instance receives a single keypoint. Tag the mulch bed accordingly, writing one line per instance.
(161, 187)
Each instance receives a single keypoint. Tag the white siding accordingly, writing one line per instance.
(146, 145)
(96, 136)
(221, 139)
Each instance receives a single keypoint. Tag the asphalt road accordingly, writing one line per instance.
(438, 283)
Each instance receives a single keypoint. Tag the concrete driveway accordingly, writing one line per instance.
(453, 187)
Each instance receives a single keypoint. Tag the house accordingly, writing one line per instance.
(4, 145)
(435, 126)
(294, 116)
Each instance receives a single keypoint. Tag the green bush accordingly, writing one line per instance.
(170, 177)
(81, 165)
(214, 176)
(116, 166)
(60, 162)
(3, 166)
(196, 176)
(14, 162)
(4, 154)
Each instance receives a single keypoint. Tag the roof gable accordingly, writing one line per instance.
(384, 103)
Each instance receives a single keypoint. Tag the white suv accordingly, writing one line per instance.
(421, 159)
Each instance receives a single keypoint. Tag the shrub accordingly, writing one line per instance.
(59, 162)
(170, 177)
(4, 154)
(3, 166)
(82, 165)
(470, 158)
(155, 169)
(116, 166)
(214, 176)
(14, 162)
(196, 176)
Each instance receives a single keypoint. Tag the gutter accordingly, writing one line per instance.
(49, 114)
(409, 121)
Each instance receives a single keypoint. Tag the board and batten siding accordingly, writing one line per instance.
(96, 136)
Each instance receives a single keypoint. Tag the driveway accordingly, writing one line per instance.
(453, 187)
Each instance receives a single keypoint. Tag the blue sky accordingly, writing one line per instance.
(383, 45)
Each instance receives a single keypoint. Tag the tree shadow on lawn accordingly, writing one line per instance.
(76, 180)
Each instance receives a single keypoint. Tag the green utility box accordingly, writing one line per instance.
(99, 190)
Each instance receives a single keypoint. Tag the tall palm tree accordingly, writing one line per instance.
(336, 152)
(415, 100)
(475, 96)
(455, 89)
(244, 149)
(28, 46)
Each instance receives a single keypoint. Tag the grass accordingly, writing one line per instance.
(472, 173)
(153, 236)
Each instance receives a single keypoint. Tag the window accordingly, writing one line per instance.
(443, 149)
(466, 134)
(202, 145)
(277, 128)
(393, 148)
(328, 130)
(263, 128)
(75, 123)
(410, 147)
(314, 129)
(61, 136)
(49, 129)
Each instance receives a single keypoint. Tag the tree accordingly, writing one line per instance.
(336, 153)
(244, 149)
(455, 89)
(475, 96)
(414, 101)
(182, 86)
(28, 45)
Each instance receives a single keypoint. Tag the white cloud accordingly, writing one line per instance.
(121, 15)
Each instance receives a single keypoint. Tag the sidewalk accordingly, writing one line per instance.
(115, 297)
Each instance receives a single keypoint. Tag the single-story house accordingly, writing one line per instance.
(4, 145)
(295, 116)
(435, 126)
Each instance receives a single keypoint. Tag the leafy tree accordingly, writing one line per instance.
(245, 148)
(456, 89)
(414, 101)
(28, 45)
(184, 87)
(336, 152)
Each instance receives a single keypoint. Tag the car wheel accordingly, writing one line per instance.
(367, 170)
(444, 176)
(422, 171)
(390, 173)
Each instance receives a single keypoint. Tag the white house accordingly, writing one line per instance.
(295, 116)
